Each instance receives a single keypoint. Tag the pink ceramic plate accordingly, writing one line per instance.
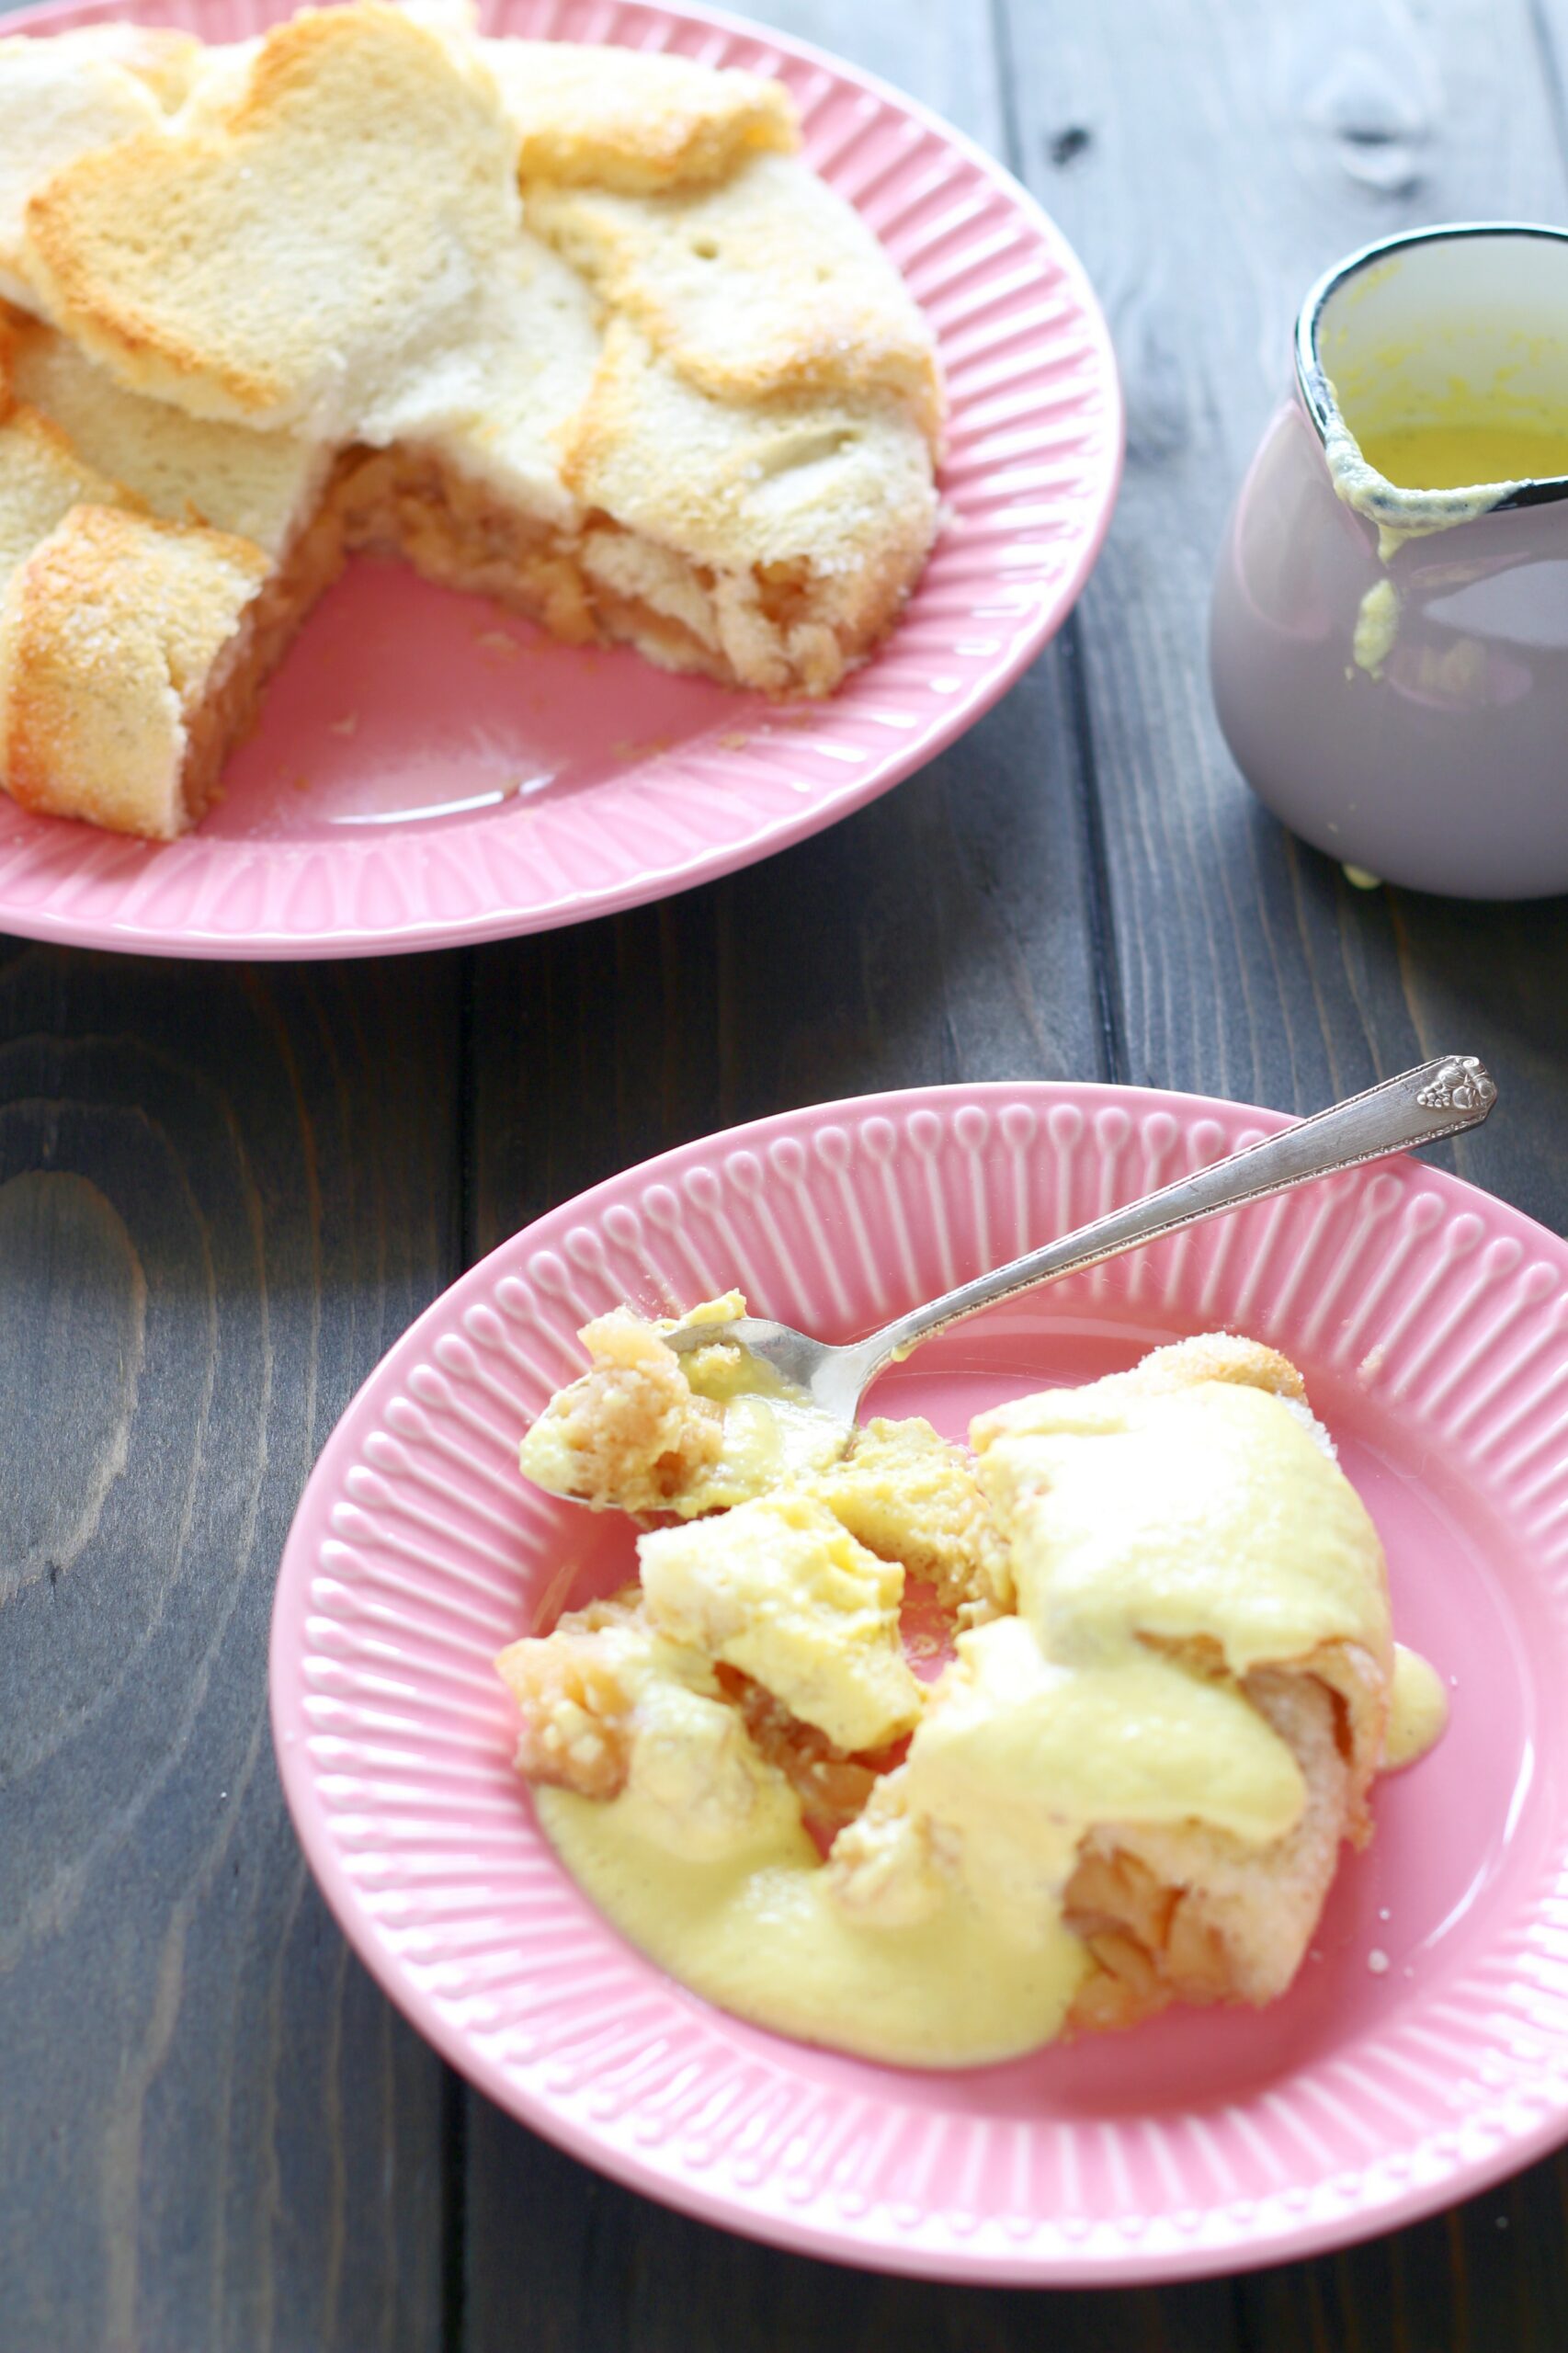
(1423, 2052)
(430, 770)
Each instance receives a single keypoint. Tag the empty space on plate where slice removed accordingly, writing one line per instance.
(401, 704)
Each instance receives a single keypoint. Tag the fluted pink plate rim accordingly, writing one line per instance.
(430, 771)
(1424, 2050)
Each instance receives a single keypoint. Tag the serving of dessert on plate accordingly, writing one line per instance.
(578, 329)
(1171, 1683)
(802, 1721)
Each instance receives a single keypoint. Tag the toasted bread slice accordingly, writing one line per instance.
(59, 100)
(115, 634)
(263, 486)
(768, 283)
(295, 256)
(216, 80)
(489, 401)
(811, 514)
(132, 649)
(496, 407)
(627, 120)
(41, 479)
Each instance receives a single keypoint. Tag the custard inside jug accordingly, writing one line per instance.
(1438, 374)
(1449, 452)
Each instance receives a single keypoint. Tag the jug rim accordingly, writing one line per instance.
(1312, 378)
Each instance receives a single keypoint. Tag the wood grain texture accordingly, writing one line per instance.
(1490, 2275)
(223, 1193)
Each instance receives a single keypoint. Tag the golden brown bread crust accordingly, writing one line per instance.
(812, 517)
(133, 650)
(259, 486)
(766, 283)
(110, 633)
(631, 119)
(62, 97)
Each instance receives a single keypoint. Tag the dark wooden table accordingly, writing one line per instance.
(224, 1191)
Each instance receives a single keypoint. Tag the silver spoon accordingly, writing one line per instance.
(1439, 1099)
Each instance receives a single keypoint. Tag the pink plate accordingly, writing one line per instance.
(1423, 2052)
(430, 769)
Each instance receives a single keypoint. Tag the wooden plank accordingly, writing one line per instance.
(944, 933)
(223, 1193)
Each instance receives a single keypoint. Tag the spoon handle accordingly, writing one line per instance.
(1439, 1099)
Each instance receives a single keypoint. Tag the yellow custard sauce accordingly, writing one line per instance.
(760, 1933)
(1421, 455)
(1416, 470)
(1138, 1513)
(1418, 1709)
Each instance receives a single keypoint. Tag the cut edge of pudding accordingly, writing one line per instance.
(597, 586)
(1191, 1915)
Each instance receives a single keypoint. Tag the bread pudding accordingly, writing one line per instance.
(1167, 1694)
(578, 329)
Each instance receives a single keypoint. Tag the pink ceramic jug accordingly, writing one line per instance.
(1389, 666)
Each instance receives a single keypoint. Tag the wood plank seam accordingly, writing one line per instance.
(1109, 999)
(1106, 964)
